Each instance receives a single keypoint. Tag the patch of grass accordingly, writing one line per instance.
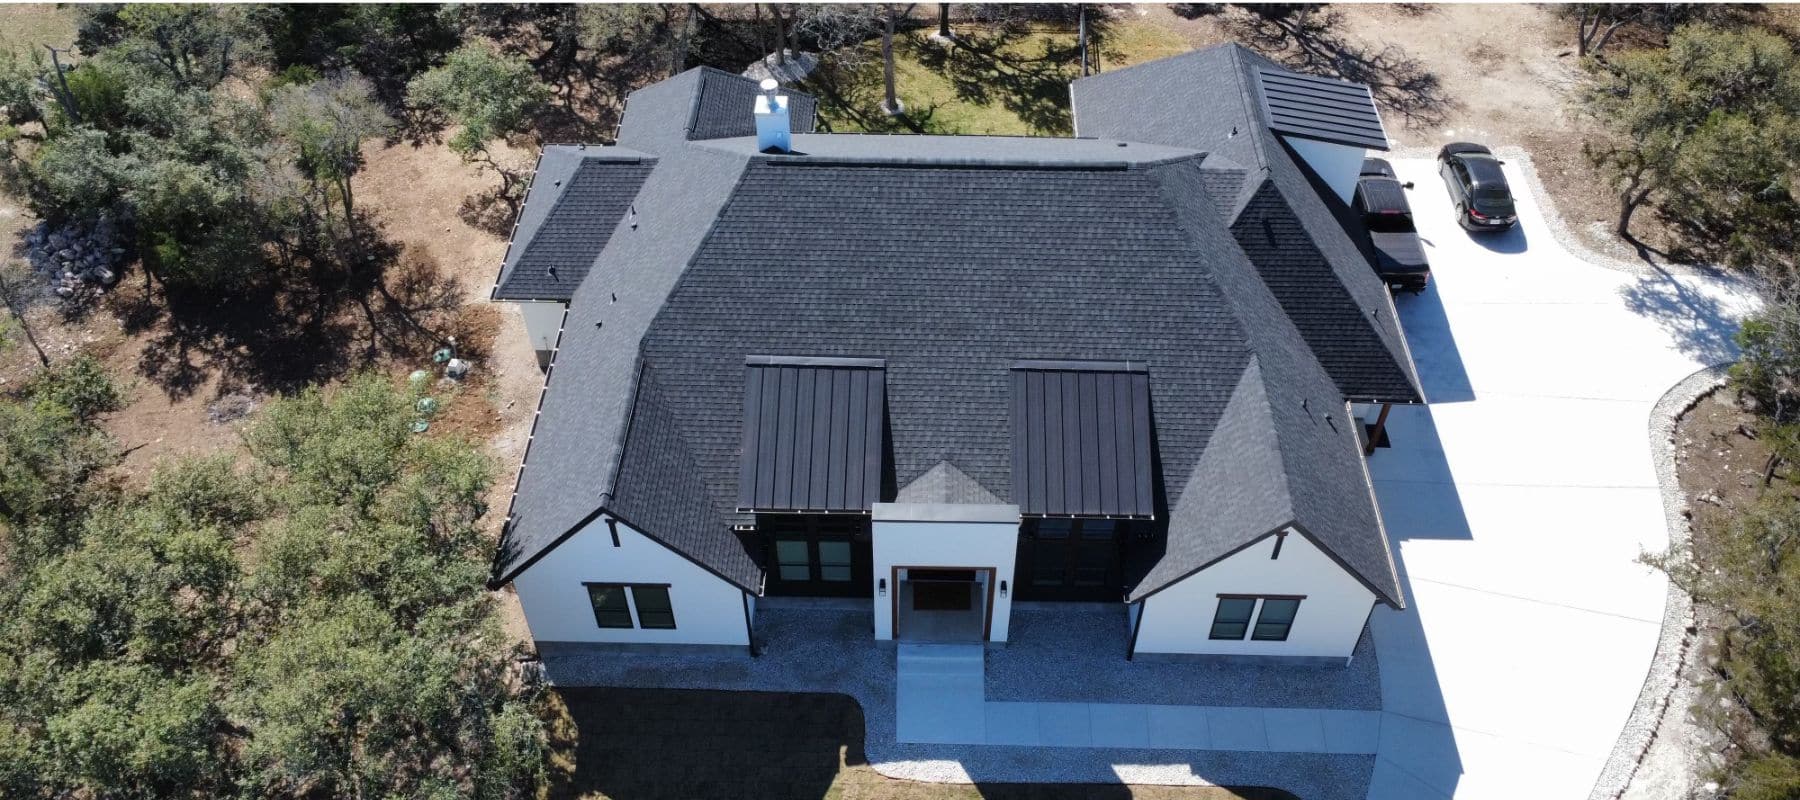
(30, 26)
(987, 83)
(643, 744)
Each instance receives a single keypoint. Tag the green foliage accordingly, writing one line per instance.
(1771, 776)
(195, 45)
(47, 454)
(388, 43)
(1768, 367)
(20, 93)
(312, 625)
(81, 386)
(489, 95)
(1709, 128)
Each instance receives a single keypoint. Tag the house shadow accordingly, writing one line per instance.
(1701, 325)
(1427, 329)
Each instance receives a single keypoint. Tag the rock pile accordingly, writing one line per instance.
(78, 254)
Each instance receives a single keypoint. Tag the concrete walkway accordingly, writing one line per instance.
(939, 700)
(1519, 501)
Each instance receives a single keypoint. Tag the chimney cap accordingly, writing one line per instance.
(770, 84)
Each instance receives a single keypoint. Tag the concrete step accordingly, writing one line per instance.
(940, 659)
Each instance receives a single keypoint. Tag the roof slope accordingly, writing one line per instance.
(701, 103)
(592, 190)
(1324, 109)
(1207, 99)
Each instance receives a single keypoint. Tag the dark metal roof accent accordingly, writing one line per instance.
(812, 435)
(1081, 442)
(1324, 109)
(1083, 366)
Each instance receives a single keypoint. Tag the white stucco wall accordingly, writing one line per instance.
(708, 610)
(543, 321)
(932, 535)
(1337, 164)
(1179, 618)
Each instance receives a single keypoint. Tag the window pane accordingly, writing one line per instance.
(795, 572)
(1047, 576)
(834, 552)
(1090, 576)
(834, 573)
(1098, 528)
(790, 552)
(1054, 528)
(1232, 618)
(1277, 617)
(610, 610)
(654, 610)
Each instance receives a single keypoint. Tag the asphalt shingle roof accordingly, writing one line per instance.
(553, 250)
(950, 258)
(1207, 98)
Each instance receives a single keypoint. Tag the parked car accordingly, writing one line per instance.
(1477, 187)
(1381, 201)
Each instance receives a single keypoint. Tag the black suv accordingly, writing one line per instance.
(1381, 201)
(1477, 187)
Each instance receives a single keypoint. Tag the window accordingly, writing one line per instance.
(610, 609)
(653, 607)
(1232, 618)
(834, 561)
(792, 561)
(1276, 618)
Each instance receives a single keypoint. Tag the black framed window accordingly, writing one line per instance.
(1276, 619)
(1232, 619)
(817, 555)
(653, 607)
(611, 609)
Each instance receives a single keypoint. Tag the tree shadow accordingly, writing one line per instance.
(998, 67)
(1309, 38)
(489, 212)
(337, 308)
(1701, 326)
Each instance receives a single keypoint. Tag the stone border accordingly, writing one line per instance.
(1560, 229)
(1675, 641)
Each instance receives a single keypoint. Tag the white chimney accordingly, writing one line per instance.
(773, 131)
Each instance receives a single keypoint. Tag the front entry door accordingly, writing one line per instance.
(941, 604)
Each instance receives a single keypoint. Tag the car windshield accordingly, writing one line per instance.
(1493, 192)
(1389, 223)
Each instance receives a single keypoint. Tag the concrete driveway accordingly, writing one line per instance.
(1519, 500)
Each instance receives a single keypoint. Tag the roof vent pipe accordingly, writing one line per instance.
(773, 131)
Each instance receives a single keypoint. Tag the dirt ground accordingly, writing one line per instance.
(1719, 463)
(639, 744)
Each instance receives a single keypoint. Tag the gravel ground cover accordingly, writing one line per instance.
(1075, 652)
(829, 650)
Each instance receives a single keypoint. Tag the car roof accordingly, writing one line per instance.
(1483, 168)
(1383, 195)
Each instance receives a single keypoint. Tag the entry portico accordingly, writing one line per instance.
(941, 566)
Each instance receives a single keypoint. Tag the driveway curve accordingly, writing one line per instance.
(1519, 500)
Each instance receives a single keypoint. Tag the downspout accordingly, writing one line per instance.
(1131, 648)
(749, 634)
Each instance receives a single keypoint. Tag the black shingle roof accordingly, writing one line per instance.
(552, 252)
(952, 259)
(1207, 98)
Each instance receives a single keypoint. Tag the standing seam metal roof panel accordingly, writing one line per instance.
(812, 434)
(1321, 108)
(1081, 441)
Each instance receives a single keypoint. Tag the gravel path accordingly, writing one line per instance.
(1653, 757)
(813, 650)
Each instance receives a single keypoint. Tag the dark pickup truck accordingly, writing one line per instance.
(1381, 202)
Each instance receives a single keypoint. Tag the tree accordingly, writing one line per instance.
(1708, 127)
(490, 96)
(310, 624)
(195, 45)
(325, 124)
(1595, 23)
(890, 101)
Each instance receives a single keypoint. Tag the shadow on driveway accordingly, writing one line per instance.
(1700, 325)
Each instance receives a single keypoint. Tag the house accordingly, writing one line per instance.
(944, 374)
